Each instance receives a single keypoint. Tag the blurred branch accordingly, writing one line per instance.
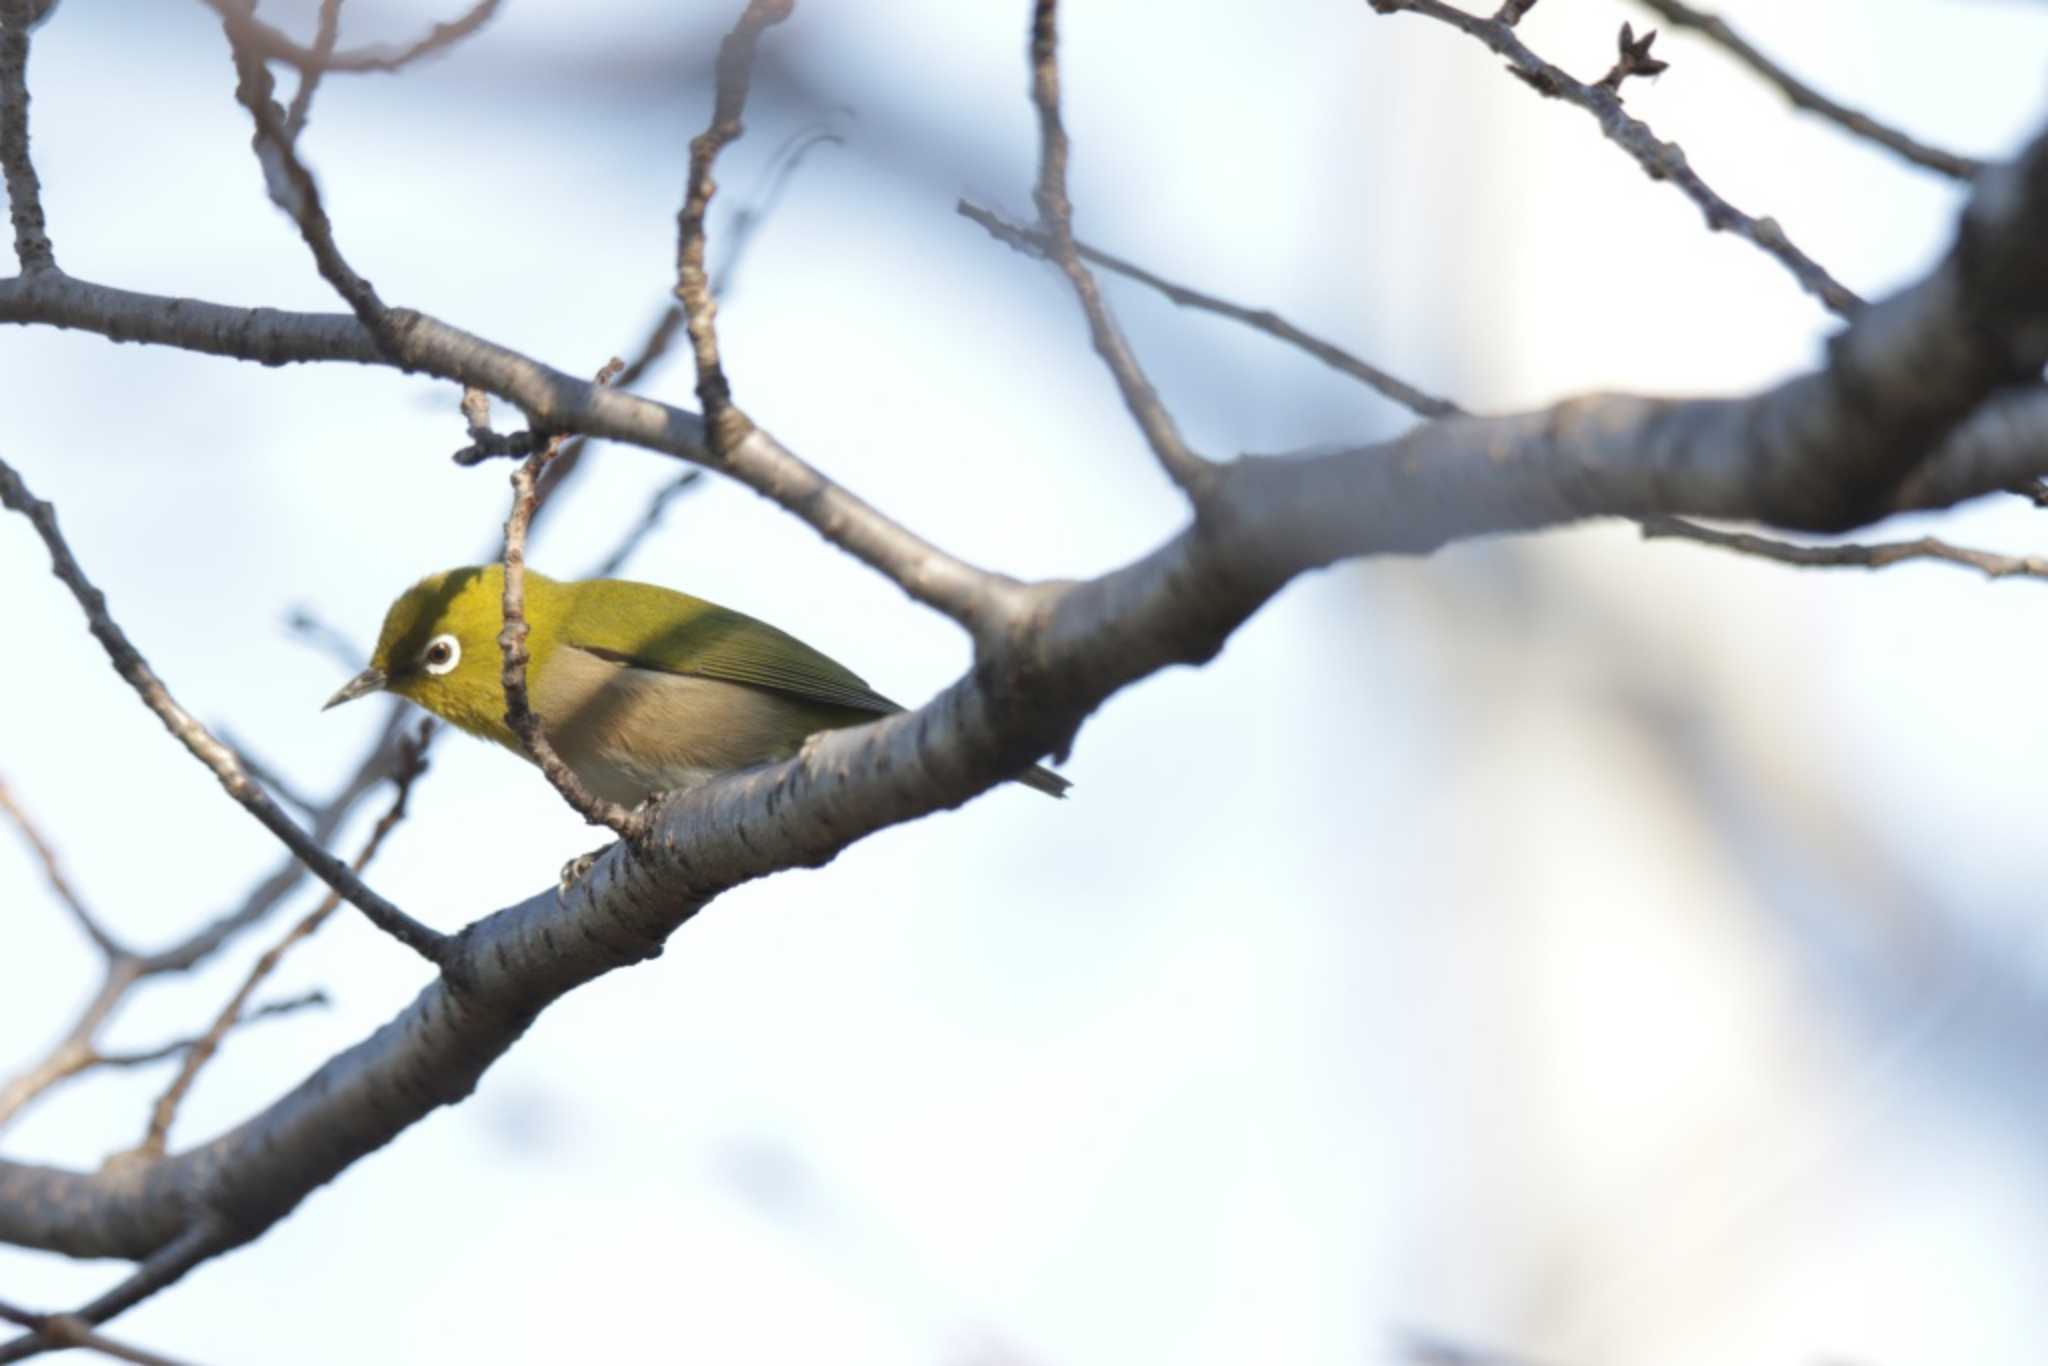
(64, 1330)
(1189, 472)
(203, 1237)
(657, 508)
(291, 186)
(200, 742)
(1804, 96)
(53, 873)
(1985, 562)
(1660, 160)
(324, 39)
(269, 44)
(1036, 243)
(309, 628)
(78, 1049)
(412, 762)
(269, 1010)
(24, 191)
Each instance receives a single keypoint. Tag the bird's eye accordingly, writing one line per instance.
(441, 655)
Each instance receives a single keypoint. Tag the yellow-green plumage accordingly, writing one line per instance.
(640, 689)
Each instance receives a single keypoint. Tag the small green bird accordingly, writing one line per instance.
(640, 689)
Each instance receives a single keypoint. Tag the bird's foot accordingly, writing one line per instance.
(575, 868)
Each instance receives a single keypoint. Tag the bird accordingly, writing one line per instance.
(640, 689)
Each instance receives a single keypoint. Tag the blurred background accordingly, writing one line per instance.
(1566, 947)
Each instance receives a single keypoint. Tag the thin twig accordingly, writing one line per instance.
(269, 1010)
(1990, 564)
(519, 714)
(63, 1330)
(1264, 320)
(53, 873)
(747, 220)
(310, 629)
(271, 45)
(1804, 96)
(129, 663)
(725, 426)
(657, 508)
(1660, 160)
(204, 1238)
(412, 763)
(291, 186)
(279, 786)
(309, 75)
(1190, 472)
(24, 192)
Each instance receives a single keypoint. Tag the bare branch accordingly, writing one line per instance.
(412, 763)
(1264, 320)
(291, 186)
(63, 1330)
(519, 713)
(269, 1010)
(311, 629)
(129, 663)
(324, 40)
(657, 508)
(24, 192)
(53, 873)
(1804, 96)
(1660, 160)
(201, 1239)
(725, 425)
(1988, 563)
(552, 400)
(1056, 218)
(270, 45)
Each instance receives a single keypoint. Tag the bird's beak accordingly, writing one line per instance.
(362, 685)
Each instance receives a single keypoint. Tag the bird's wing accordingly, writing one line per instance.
(679, 634)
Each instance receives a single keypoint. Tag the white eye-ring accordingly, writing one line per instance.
(443, 653)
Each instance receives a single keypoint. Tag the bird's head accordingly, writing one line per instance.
(439, 646)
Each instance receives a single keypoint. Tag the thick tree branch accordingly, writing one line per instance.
(135, 670)
(1056, 220)
(1804, 96)
(1660, 160)
(24, 192)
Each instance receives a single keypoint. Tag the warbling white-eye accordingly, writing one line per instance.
(640, 689)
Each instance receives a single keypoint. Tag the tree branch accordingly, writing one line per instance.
(53, 873)
(1804, 96)
(1883, 555)
(65, 1330)
(270, 45)
(135, 670)
(1660, 160)
(24, 192)
(324, 39)
(1189, 472)
(519, 713)
(412, 763)
(1036, 243)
